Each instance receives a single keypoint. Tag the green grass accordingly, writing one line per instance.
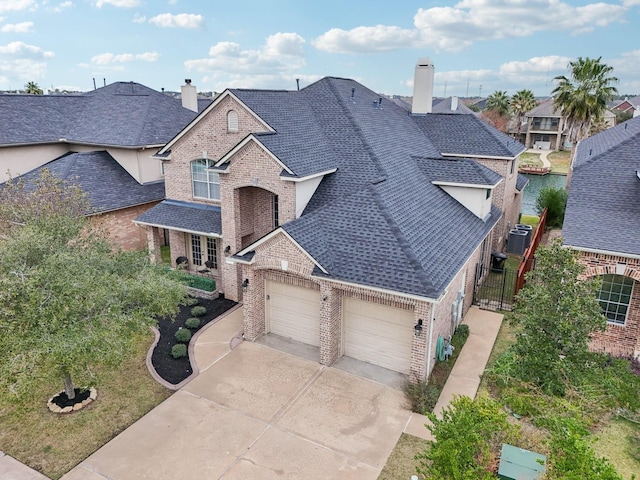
(560, 161)
(613, 443)
(52, 443)
(401, 463)
(532, 220)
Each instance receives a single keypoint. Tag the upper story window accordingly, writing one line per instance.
(614, 297)
(205, 184)
(232, 121)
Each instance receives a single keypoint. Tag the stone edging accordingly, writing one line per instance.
(192, 343)
(93, 394)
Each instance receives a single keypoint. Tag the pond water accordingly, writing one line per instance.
(537, 183)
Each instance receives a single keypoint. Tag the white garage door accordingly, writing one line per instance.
(378, 334)
(293, 312)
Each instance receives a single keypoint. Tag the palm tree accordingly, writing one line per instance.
(498, 102)
(521, 102)
(582, 97)
(33, 88)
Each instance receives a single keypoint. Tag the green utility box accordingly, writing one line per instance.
(519, 464)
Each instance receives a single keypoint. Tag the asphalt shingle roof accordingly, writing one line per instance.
(467, 135)
(184, 216)
(464, 171)
(108, 186)
(521, 182)
(603, 209)
(125, 114)
(378, 220)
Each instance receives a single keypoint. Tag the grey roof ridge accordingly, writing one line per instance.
(593, 158)
(402, 241)
(68, 169)
(182, 203)
(358, 131)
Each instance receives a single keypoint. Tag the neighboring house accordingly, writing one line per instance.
(103, 140)
(602, 222)
(341, 220)
(628, 105)
(545, 127)
(439, 105)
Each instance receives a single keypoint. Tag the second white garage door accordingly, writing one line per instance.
(378, 334)
(293, 312)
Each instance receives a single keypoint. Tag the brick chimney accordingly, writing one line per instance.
(423, 87)
(189, 95)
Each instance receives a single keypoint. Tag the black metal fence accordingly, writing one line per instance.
(495, 288)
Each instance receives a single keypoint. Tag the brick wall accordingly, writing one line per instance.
(121, 229)
(617, 340)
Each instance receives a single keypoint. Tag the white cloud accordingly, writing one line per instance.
(181, 20)
(1, 19)
(111, 58)
(118, 3)
(139, 18)
(20, 62)
(281, 55)
(630, 3)
(23, 27)
(366, 39)
(60, 7)
(456, 28)
(15, 5)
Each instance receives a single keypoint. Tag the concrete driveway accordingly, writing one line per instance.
(258, 413)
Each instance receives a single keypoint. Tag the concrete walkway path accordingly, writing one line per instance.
(12, 469)
(544, 156)
(465, 376)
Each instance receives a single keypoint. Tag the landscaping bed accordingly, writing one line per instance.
(175, 370)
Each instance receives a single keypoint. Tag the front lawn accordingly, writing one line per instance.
(53, 443)
(530, 159)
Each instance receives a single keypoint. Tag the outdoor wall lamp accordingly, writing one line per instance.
(245, 284)
(227, 249)
(418, 328)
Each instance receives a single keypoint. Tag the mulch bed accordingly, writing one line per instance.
(63, 401)
(175, 370)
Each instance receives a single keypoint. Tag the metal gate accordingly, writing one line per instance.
(494, 289)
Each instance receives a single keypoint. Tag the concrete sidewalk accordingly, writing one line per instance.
(12, 469)
(464, 378)
(544, 156)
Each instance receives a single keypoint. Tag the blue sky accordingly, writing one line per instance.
(477, 46)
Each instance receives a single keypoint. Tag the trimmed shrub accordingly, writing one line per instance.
(201, 283)
(183, 335)
(191, 301)
(179, 350)
(422, 397)
(198, 311)
(192, 323)
(555, 201)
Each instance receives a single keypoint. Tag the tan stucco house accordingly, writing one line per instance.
(339, 219)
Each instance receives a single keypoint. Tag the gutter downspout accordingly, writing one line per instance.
(429, 350)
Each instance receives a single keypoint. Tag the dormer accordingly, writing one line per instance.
(475, 198)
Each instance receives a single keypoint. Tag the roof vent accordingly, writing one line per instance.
(187, 81)
(378, 180)
(353, 94)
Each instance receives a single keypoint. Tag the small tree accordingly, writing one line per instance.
(556, 313)
(468, 440)
(555, 201)
(68, 300)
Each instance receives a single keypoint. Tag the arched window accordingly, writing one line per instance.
(614, 297)
(205, 184)
(232, 121)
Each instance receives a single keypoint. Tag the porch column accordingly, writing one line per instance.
(154, 240)
(254, 303)
(420, 343)
(330, 323)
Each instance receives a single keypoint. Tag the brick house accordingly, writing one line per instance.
(338, 218)
(101, 140)
(602, 221)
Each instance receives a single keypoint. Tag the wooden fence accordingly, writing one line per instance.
(529, 255)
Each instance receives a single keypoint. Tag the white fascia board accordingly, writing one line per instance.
(201, 115)
(309, 177)
(466, 185)
(382, 290)
(269, 236)
(603, 252)
(168, 227)
(251, 138)
(471, 156)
